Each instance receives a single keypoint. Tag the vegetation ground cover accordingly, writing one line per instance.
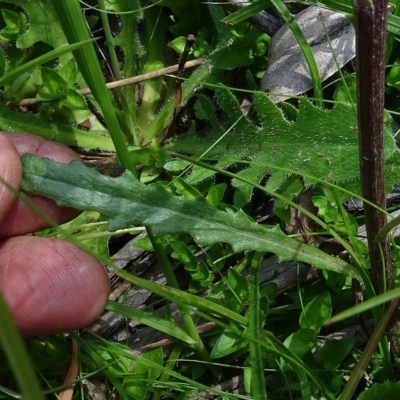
(222, 180)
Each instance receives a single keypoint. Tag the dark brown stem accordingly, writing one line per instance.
(370, 19)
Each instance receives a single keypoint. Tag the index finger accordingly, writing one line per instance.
(19, 219)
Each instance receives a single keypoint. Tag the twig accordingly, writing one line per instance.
(368, 352)
(123, 82)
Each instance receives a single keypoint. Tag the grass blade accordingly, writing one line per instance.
(73, 23)
(51, 55)
(15, 350)
(154, 321)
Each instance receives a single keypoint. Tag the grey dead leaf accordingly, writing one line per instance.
(287, 71)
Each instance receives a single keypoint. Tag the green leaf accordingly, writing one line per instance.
(186, 190)
(227, 343)
(2, 62)
(245, 12)
(189, 16)
(43, 24)
(183, 254)
(52, 81)
(154, 321)
(15, 25)
(71, 18)
(301, 342)
(127, 202)
(178, 44)
(238, 284)
(68, 71)
(381, 391)
(333, 352)
(14, 348)
(182, 297)
(320, 143)
(73, 100)
(393, 77)
(316, 312)
(215, 194)
(138, 382)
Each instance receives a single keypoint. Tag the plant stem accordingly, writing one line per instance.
(169, 366)
(370, 22)
(370, 45)
(116, 71)
(258, 390)
(362, 364)
(183, 308)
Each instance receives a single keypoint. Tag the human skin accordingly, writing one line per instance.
(50, 285)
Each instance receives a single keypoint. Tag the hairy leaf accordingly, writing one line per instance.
(126, 202)
(43, 24)
(320, 143)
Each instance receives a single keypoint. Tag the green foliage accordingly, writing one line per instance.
(227, 343)
(14, 121)
(334, 352)
(320, 145)
(40, 14)
(301, 342)
(126, 201)
(16, 25)
(190, 17)
(296, 147)
(379, 391)
(316, 312)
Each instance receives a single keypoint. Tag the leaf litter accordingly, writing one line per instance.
(325, 31)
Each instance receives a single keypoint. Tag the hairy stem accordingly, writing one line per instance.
(371, 18)
(370, 44)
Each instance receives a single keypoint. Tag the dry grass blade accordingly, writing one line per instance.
(67, 393)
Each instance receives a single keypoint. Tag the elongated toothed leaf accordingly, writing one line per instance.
(127, 202)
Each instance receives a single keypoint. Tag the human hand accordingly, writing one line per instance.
(50, 285)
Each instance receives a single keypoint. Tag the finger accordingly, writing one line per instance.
(20, 219)
(51, 285)
(32, 144)
(10, 172)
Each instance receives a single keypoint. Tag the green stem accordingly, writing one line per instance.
(169, 366)
(258, 389)
(115, 69)
(184, 309)
(362, 364)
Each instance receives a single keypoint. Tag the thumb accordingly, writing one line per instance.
(51, 285)
(10, 172)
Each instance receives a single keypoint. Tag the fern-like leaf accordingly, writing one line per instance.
(322, 144)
